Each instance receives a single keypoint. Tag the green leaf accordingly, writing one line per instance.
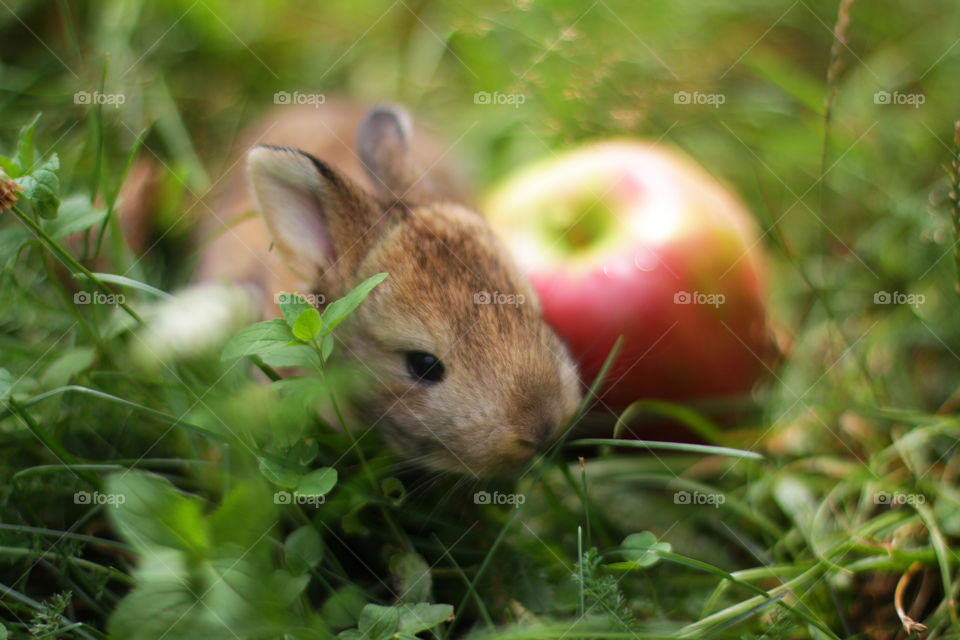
(378, 623)
(279, 473)
(7, 166)
(243, 515)
(42, 188)
(177, 598)
(796, 499)
(152, 513)
(200, 577)
(271, 340)
(12, 239)
(303, 549)
(291, 306)
(161, 603)
(411, 577)
(296, 399)
(76, 214)
(646, 554)
(338, 310)
(308, 325)
(420, 617)
(403, 621)
(326, 347)
(302, 452)
(112, 278)
(667, 446)
(352, 523)
(393, 490)
(287, 587)
(295, 355)
(319, 482)
(258, 338)
(342, 609)
(61, 370)
(25, 148)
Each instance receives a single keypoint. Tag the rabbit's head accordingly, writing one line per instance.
(462, 373)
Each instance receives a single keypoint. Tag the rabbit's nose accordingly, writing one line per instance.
(539, 438)
(546, 433)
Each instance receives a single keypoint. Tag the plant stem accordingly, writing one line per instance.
(72, 262)
(55, 447)
(955, 196)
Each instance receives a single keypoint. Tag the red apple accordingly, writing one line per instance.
(632, 239)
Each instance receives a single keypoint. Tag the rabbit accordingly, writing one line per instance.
(451, 383)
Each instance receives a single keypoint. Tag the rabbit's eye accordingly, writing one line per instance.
(425, 367)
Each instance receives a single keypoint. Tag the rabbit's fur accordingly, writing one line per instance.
(509, 385)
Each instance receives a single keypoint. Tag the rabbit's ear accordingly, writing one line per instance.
(383, 142)
(317, 217)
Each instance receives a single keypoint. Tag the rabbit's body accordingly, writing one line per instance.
(452, 383)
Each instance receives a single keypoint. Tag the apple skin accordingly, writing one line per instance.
(661, 227)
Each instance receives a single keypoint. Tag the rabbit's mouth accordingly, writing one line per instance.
(503, 455)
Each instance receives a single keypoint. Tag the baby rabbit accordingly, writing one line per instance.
(451, 383)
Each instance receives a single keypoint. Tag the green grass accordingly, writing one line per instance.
(856, 486)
